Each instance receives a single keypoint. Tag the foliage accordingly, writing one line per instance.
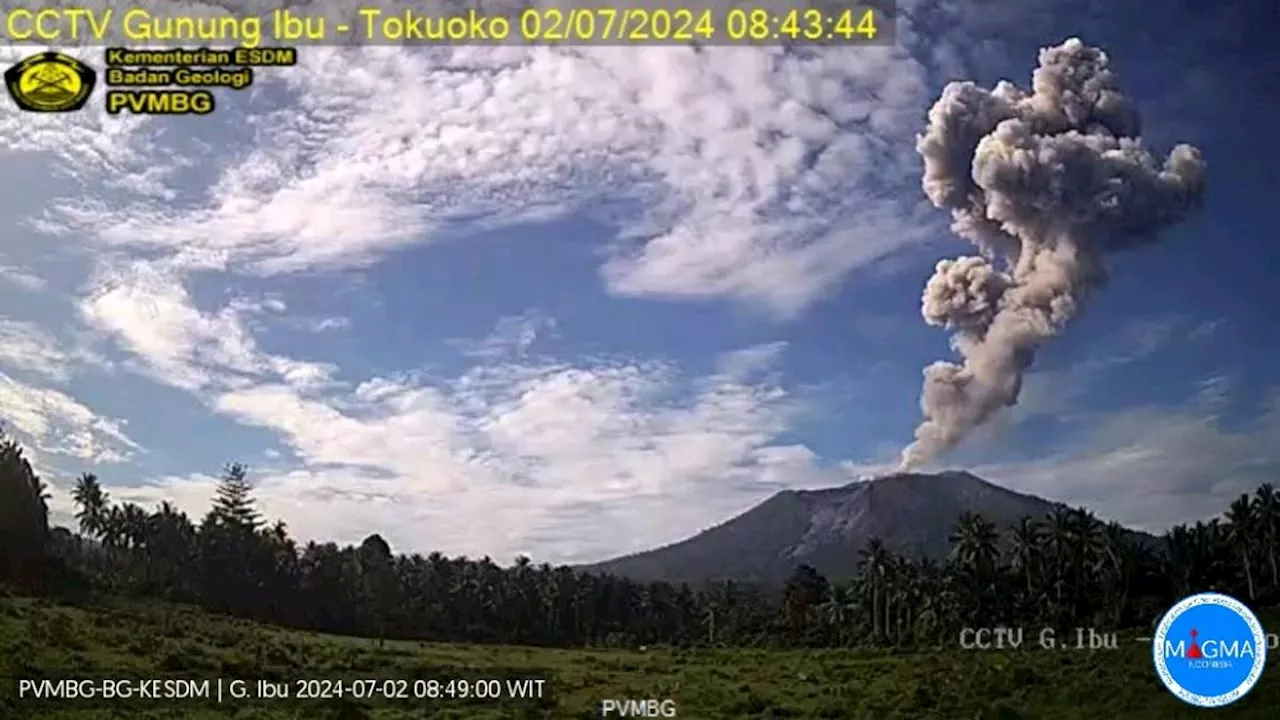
(24, 519)
(149, 640)
(1064, 570)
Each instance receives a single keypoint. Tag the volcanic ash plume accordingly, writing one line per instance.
(1044, 184)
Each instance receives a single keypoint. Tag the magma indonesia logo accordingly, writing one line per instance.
(1209, 650)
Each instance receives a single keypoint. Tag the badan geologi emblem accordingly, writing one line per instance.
(50, 82)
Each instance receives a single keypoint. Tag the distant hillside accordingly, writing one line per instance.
(912, 513)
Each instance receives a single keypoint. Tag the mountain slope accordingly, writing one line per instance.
(911, 513)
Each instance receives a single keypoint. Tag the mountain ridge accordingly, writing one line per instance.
(912, 513)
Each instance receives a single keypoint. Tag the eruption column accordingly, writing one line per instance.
(1044, 184)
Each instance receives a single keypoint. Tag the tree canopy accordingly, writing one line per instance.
(1064, 569)
(24, 518)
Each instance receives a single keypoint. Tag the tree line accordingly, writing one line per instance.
(1066, 569)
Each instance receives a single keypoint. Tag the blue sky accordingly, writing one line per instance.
(575, 304)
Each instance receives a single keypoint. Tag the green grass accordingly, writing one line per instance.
(39, 639)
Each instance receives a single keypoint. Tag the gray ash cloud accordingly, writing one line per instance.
(1044, 184)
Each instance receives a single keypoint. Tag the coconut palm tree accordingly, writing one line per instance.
(839, 611)
(1121, 564)
(974, 552)
(1063, 567)
(1087, 555)
(91, 502)
(1025, 538)
(1267, 507)
(873, 564)
(1242, 529)
(24, 519)
(1060, 548)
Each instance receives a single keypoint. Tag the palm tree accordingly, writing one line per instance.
(892, 595)
(838, 611)
(132, 527)
(24, 519)
(930, 601)
(974, 550)
(1267, 505)
(975, 543)
(1121, 565)
(1087, 556)
(873, 562)
(709, 621)
(92, 503)
(1024, 550)
(906, 583)
(1211, 554)
(1025, 564)
(1067, 566)
(1241, 529)
(1060, 545)
(171, 548)
(1181, 558)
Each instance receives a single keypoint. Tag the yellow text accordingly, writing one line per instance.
(62, 24)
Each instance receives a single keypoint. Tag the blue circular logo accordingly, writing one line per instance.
(1209, 650)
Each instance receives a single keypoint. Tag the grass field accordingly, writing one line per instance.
(43, 640)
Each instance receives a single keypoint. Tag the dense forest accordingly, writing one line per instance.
(1064, 570)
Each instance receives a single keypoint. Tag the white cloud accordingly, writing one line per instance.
(756, 175)
(322, 324)
(513, 335)
(53, 422)
(50, 422)
(1207, 329)
(752, 174)
(1155, 466)
(113, 150)
(765, 175)
(511, 438)
(749, 361)
(28, 347)
(507, 447)
(146, 307)
(707, 136)
(151, 312)
(22, 278)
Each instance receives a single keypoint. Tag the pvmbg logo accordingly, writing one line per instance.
(1209, 650)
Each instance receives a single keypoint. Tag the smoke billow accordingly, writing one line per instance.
(1044, 184)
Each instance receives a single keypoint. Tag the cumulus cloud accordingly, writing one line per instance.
(512, 335)
(53, 422)
(755, 174)
(50, 422)
(509, 445)
(513, 437)
(115, 150)
(152, 313)
(30, 348)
